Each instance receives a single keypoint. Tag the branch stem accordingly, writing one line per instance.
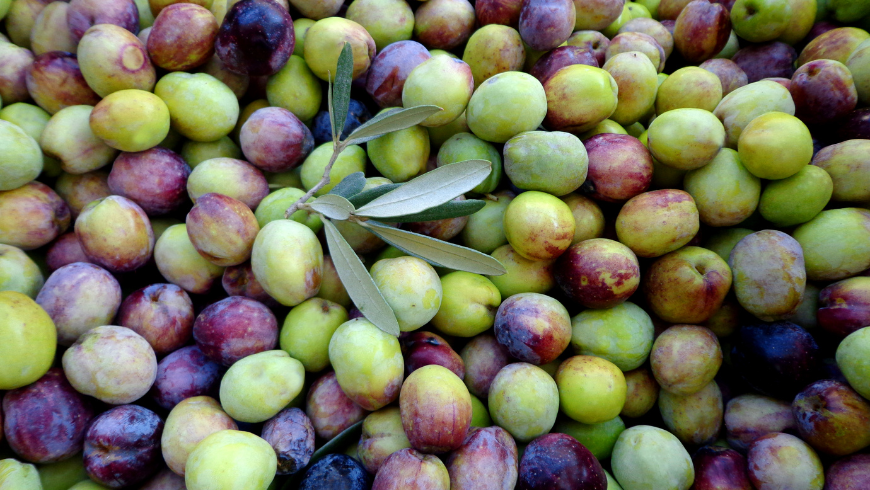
(338, 148)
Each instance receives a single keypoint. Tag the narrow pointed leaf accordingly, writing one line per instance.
(341, 90)
(389, 121)
(330, 108)
(428, 190)
(338, 443)
(370, 195)
(332, 206)
(350, 186)
(437, 252)
(359, 284)
(450, 209)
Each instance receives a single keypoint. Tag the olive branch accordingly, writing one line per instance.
(427, 197)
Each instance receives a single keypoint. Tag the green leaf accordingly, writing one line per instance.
(450, 209)
(437, 252)
(359, 284)
(369, 195)
(335, 445)
(350, 186)
(341, 90)
(428, 190)
(389, 121)
(338, 443)
(330, 108)
(332, 206)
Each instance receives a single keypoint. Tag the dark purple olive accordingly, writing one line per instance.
(853, 126)
(820, 28)
(389, 70)
(557, 461)
(183, 374)
(233, 328)
(771, 60)
(122, 446)
(719, 468)
(291, 435)
(425, 348)
(45, 421)
(777, 359)
(559, 58)
(354, 312)
(505, 12)
(256, 38)
(545, 24)
(336, 472)
(823, 91)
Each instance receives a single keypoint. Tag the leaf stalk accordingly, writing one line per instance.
(324, 181)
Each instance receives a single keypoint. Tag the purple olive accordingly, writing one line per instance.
(425, 348)
(55, 81)
(777, 359)
(185, 373)
(46, 421)
(488, 454)
(534, 327)
(389, 70)
(239, 280)
(291, 435)
(849, 473)
(553, 61)
(832, 417)
(162, 314)
(545, 24)
(65, 250)
(233, 328)
(719, 468)
(155, 179)
(557, 461)
(256, 38)
(329, 408)
(823, 90)
(122, 446)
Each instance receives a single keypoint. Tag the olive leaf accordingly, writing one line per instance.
(428, 190)
(437, 252)
(370, 195)
(359, 284)
(344, 438)
(341, 91)
(350, 186)
(330, 107)
(332, 206)
(389, 121)
(450, 209)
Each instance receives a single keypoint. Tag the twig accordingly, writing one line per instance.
(320, 185)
